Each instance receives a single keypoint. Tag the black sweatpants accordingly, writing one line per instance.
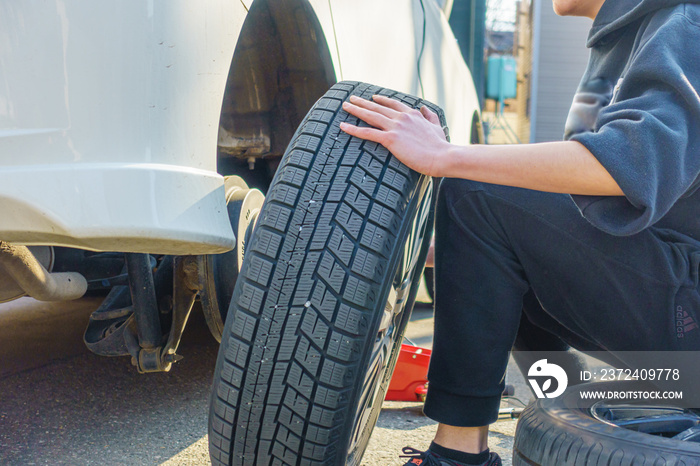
(502, 253)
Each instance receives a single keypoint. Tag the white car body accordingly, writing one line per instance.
(110, 110)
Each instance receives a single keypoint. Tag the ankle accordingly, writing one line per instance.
(472, 440)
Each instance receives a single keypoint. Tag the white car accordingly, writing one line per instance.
(137, 138)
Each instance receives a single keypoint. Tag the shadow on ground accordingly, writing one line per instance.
(85, 409)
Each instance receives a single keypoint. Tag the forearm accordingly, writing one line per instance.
(561, 167)
(417, 139)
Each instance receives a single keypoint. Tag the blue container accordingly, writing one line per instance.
(502, 80)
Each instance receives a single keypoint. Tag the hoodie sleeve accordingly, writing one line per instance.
(648, 139)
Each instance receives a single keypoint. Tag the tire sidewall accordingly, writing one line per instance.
(415, 202)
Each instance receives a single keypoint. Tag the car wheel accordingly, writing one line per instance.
(323, 297)
(570, 431)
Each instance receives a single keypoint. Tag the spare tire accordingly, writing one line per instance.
(324, 295)
(571, 431)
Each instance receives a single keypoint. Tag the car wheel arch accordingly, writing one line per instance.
(281, 65)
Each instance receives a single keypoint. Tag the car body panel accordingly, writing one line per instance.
(109, 111)
(444, 78)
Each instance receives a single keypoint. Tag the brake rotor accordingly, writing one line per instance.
(221, 270)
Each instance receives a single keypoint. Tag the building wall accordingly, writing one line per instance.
(558, 62)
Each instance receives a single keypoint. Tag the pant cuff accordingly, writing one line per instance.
(459, 410)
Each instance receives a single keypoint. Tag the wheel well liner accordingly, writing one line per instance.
(280, 67)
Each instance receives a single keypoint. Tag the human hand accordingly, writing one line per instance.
(415, 137)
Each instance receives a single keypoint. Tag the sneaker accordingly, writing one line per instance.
(430, 458)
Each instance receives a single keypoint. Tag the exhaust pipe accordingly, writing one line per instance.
(21, 265)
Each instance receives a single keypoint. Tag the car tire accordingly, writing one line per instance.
(570, 431)
(323, 298)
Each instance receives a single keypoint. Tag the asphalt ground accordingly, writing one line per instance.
(62, 405)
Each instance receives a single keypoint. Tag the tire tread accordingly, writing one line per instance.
(336, 201)
(559, 432)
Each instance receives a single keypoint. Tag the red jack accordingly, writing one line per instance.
(410, 379)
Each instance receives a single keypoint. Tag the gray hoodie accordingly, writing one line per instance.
(637, 110)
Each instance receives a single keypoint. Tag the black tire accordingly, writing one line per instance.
(563, 431)
(303, 366)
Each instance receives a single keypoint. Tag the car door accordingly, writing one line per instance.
(379, 41)
(408, 46)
